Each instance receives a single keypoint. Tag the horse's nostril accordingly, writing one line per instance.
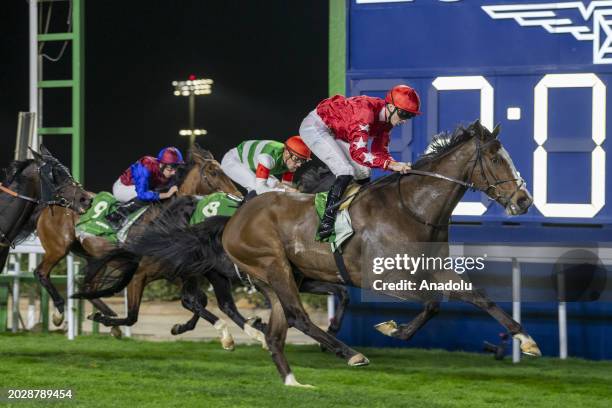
(523, 202)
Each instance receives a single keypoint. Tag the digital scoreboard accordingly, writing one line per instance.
(539, 68)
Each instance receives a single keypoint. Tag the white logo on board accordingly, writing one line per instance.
(570, 17)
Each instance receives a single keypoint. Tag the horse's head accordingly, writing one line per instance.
(57, 184)
(204, 175)
(493, 171)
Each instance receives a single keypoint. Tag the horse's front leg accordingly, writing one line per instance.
(195, 300)
(407, 330)
(222, 286)
(42, 273)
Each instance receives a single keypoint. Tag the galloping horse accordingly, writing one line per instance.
(129, 265)
(56, 226)
(29, 186)
(273, 234)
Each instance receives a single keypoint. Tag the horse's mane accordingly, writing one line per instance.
(441, 144)
(195, 151)
(14, 169)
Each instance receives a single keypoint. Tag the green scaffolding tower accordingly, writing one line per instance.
(76, 129)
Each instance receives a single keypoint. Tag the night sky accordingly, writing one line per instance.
(268, 60)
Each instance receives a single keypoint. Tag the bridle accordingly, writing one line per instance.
(57, 198)
(478, 161)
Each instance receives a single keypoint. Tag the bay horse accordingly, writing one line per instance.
(29, 186)
(273, 234)
(56, 226)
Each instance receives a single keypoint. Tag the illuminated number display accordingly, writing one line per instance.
(541, 72)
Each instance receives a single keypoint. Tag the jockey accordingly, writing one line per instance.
(141, 178)
(338, 130)
(148, 174)
(256, 164)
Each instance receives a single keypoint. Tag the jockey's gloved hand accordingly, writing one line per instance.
(173, 190)
(399, 167)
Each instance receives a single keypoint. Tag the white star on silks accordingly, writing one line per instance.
(364, 128)
(360, 143)
(368, 157)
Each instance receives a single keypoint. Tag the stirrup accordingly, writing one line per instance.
(326, 230)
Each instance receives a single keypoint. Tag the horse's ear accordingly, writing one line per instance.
(478, 129)
(496, 131)
(37, 156)
(44, 150)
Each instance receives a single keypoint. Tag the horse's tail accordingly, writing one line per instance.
(108, 274)
(183, 249)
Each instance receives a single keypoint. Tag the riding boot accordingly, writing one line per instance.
(116, 218)
(326, 228)
(364, 181)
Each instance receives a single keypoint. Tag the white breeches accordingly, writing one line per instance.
(122, 192)
(333, 152)
(240, 172)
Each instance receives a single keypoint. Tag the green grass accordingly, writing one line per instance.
(105, 372)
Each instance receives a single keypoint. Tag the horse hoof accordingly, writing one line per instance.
(531, 348)
(358, 360)
(58, 318)
(176, 329)
(115, 331)
(387, 328)
(254, 333)
(290, 381)
(227, 343)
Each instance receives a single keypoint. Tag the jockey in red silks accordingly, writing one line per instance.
(339, 129)
(147, 174)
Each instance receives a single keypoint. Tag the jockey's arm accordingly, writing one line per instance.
(358, 149)
(262, 175)
(140, 176)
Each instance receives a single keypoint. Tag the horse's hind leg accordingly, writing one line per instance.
(134, 296)
(478, 299)
(326, 288)
(406, 331)
(195, 300)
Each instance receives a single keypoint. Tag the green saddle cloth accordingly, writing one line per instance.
(343, 228)
(94, 222)
(215, 204)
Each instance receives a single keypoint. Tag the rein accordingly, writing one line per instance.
(59, 201)
(471, 185)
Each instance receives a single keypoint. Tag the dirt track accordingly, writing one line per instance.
(157, 318)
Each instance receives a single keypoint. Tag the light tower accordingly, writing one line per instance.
(192, 87)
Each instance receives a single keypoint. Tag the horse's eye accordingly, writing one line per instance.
(495, 160)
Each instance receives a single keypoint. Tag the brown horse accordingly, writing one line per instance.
(56, 226)
(29, 186)
(272, 235)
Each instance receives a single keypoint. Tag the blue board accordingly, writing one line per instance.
(541, 69)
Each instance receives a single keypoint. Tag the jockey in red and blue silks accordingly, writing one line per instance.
(147, 174)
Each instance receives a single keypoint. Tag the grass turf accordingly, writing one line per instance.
(104, 372)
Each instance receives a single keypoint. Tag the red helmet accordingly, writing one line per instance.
(296, 145)
(405, 98)
(170, 155)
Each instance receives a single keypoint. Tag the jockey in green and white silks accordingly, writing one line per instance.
(257, 165)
